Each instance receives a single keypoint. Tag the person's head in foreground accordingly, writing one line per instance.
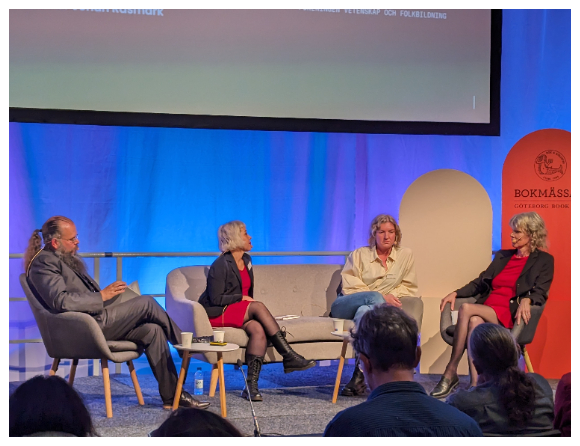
(48, 404)
(192, 422)
(495, 355)
(386, 342)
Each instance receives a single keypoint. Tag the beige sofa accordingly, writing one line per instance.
(304, 290)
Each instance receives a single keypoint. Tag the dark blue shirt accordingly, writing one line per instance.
(402, 409)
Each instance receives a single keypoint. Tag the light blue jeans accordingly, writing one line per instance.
(353, 306)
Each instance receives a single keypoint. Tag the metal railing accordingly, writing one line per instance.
(119, 256)
(119, 272)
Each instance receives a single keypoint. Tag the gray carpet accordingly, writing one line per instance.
(297, 403)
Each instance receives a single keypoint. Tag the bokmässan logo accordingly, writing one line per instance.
(550, 165)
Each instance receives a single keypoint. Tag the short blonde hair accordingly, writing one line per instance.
(230, 236)
(376, 224)
(533, 225)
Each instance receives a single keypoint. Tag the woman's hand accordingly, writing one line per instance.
(449, 298)
(392, 300)
(524, 311)
(247, 298)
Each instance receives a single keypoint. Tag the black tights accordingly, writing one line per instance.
(469, 317)
(259, 324)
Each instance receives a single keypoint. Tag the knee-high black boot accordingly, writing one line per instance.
(356, 385)
(292, 361)
(254, 364)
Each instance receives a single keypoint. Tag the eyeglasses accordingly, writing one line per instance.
(72, 240)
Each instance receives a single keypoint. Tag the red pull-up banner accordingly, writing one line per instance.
(537, 177)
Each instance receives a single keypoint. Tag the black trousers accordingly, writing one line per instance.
(143, 321)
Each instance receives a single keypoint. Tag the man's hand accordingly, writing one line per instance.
(449, 298)
(247, 298)
(392, 300)
(524, 311)
(113, 290)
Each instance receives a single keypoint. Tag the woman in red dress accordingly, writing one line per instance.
(228, 301)
(516, 279)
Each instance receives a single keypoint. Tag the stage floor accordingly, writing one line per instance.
(297, 403)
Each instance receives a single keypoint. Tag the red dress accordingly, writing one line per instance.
(233, 315)
(503, 288)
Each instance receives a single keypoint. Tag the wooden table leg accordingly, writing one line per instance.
(214, 380)
(181, 379)
(339, 371)
(222, 384)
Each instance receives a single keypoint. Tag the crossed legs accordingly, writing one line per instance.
(257, 340)
(144, 322)
(151, 336)
(469, 317)
(353, 306)
(257, 311)
(261, 327)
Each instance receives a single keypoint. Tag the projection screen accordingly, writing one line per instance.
(377, 71)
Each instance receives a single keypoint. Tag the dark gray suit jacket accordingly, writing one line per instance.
(61, 288)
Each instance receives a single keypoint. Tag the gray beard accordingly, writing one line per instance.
(73, 261)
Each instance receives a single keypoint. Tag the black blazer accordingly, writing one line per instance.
(224, 284)
(534, 281)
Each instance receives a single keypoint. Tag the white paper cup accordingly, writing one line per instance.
(186, 337)
(338, 324)
(218, 335)
(454, 317)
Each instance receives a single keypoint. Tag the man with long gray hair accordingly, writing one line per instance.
(59, 280)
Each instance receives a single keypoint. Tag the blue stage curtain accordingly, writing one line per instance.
(155, 189)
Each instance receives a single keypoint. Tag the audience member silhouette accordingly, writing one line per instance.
(48, 406)
(386, 342)
(192, 422)
(563, 406)
(506, 400)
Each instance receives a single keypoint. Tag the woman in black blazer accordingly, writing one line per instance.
(516, 279)
(228, 301)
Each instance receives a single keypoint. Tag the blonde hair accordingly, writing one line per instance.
(376, 224)
(533, 225)
(230, 236)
